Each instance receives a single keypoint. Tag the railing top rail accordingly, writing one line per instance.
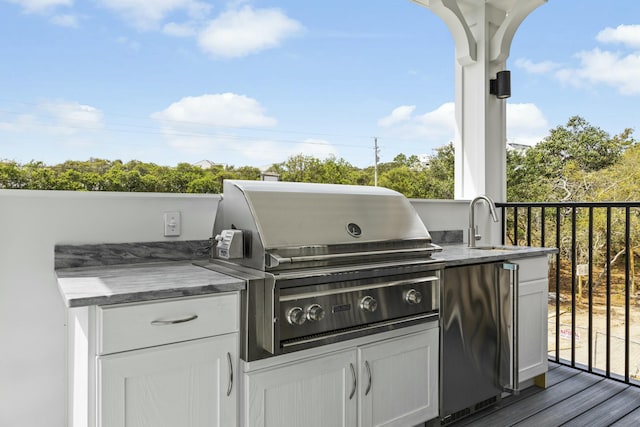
(569, 204)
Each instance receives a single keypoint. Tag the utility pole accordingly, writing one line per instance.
(376, 159)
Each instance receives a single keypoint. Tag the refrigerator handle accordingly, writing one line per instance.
(514, 387)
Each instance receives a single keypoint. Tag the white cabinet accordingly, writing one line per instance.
(155, 364)
(187, 384)
(318, 392)
(533, 317)
(399, 380)
(392, 382)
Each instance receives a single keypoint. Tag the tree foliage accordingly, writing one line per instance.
(576, 161)
(555, 169)
(106, 175)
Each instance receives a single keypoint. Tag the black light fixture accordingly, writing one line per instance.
(501, 85)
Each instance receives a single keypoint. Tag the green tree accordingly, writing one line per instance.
(570, 151)
(440, 182)
(12, 176)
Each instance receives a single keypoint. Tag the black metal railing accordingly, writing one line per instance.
(592, 294)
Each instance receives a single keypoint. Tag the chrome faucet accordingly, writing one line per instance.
(473, 228)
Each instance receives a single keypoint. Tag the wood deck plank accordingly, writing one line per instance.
(573, 398)
(525, 408)
(559, 374)
(556, 374)
(610, 410)
(630, 420)
(576, 405)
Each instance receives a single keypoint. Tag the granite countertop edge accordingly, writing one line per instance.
(458, 254)
(155, 280)
(127, 283)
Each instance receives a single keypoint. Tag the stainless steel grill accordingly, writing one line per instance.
(323, 262)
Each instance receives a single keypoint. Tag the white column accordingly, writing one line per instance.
(482, 33)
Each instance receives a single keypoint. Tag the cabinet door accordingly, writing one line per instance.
(399, 380)
(184, 384)
(317, 392)
(532, 328)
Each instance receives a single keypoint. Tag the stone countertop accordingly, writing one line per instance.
(457, 255)
(146, 281)
(114, 284)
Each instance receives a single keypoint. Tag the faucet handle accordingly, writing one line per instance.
(473, 236)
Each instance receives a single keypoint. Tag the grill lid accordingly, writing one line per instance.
(286, 223)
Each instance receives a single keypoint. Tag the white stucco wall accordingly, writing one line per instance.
(454, 215)
(443, 214)
(32, 314)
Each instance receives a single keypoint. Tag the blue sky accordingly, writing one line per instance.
(254, 82)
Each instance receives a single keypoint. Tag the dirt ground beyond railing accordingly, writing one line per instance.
(599, 337)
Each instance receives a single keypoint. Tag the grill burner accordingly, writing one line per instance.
(323, 263)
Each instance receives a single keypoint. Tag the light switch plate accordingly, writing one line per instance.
(172, 224)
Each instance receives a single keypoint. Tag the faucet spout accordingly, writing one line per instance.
(473, 235)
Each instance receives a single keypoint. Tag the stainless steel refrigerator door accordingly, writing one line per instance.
(476, 322)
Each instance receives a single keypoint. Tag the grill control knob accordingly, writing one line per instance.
(295, 316)
(369, 304)
(315, 312)
(412, 296)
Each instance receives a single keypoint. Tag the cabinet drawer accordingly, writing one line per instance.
(138, 325)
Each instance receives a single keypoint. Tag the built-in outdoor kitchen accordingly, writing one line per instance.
(308, 304)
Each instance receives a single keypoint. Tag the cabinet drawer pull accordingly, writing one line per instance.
(355, 381)
(230, 387)
(366, 365)
(174, 321)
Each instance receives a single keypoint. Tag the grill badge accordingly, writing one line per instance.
(354, 229)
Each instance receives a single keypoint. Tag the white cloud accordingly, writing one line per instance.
(40, 6)
(67, 20)
(179, 30)
(436, 126)
(269, 152)
(226, 110)
(220, 148)
(526, 124)
(22, 123)
(147, 14)
(238, 33)
(186, 124)
(399, 114)
(440, 121)
(536, 67)
(617, 69)
(228, 126)
(317, 148)
(614, 69)
(57, 118)
(263, 152)
(625, 34)
(50, 8)
(72, 117)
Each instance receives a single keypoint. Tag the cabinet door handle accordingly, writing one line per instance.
(174, 321)
(230, 387)
(366, 365)
(355, 381)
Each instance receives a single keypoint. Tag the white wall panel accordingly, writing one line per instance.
(32, 314)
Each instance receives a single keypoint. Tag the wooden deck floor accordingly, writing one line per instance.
(572, 398)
